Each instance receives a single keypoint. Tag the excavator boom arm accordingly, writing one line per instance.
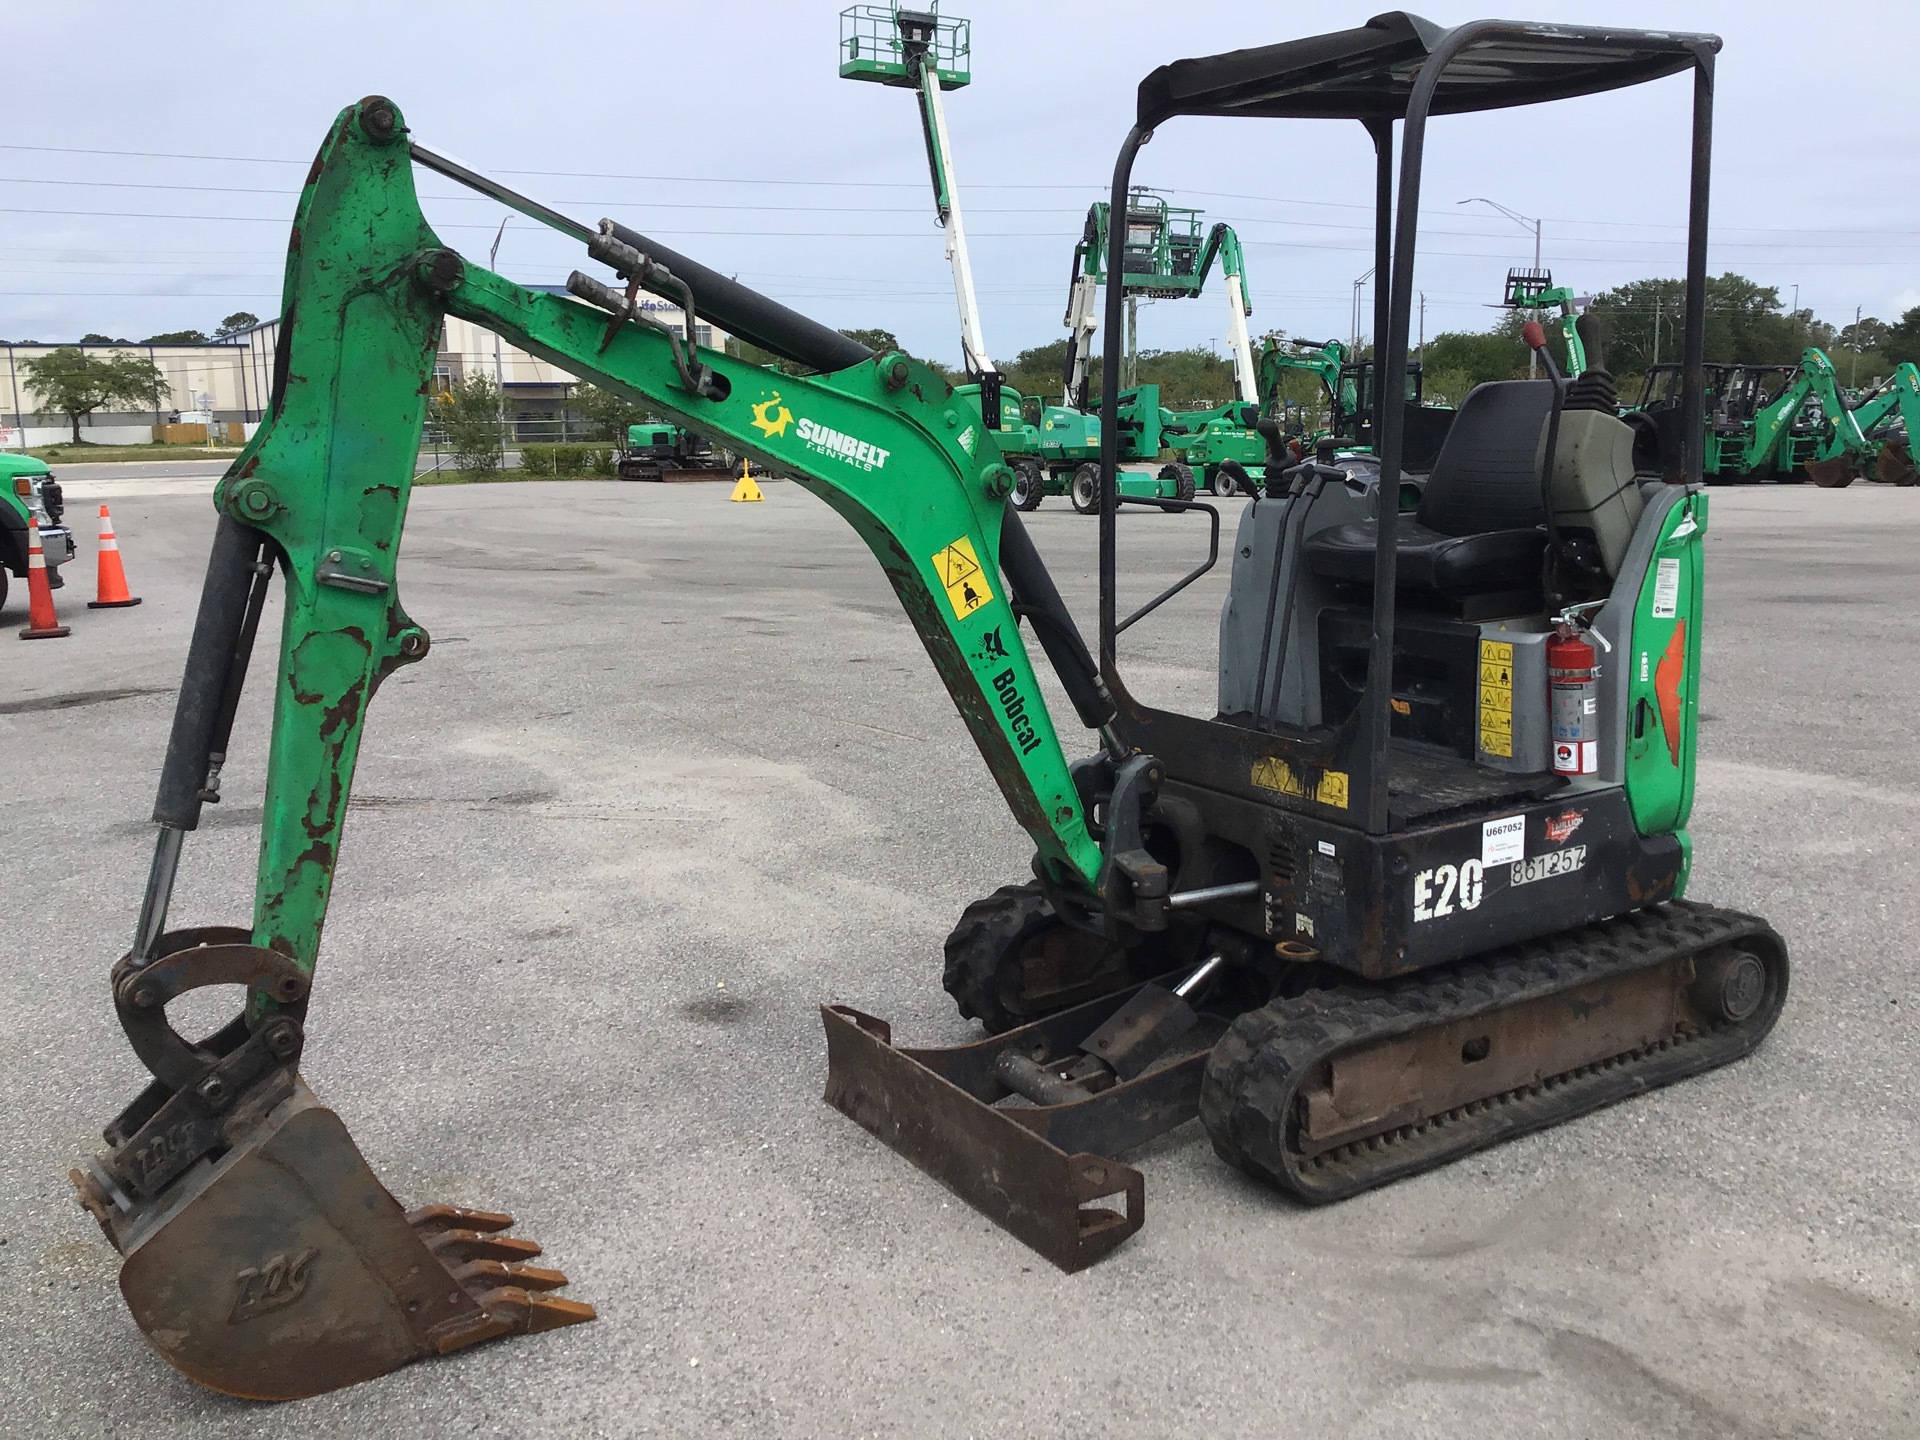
(326, 483)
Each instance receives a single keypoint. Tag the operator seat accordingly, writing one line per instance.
(1479, 529)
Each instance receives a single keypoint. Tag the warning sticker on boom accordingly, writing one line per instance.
(1496, 697)
(966, 583)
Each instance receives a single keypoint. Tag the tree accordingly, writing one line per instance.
(607, 412)
(235, 323)
(878, 341)
(1902, 342)
(1864, 334)
(94, 337)
(177, 337)
(470, 413)
(1744, 324)
(76, 384)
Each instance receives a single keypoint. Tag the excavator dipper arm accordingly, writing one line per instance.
(262, 1257)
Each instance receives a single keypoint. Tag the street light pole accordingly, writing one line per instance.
(1526, 222)
(499, 384)
(1353, 332)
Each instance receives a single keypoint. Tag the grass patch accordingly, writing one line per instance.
(109, 454)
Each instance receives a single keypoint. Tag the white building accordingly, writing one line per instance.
(237, 374)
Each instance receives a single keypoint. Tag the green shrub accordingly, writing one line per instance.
(470, 412)
(600, 459)
(569, 459)
(537, 459)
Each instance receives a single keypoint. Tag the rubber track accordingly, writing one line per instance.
(1248, 1099)
(977, 950)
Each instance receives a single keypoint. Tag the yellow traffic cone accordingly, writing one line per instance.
(746, 489)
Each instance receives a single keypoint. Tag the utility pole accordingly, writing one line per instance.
(1526, 222)
(1853, 368)
(1420, 351)
(499, 383)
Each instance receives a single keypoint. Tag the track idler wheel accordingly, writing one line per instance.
(260, 1255)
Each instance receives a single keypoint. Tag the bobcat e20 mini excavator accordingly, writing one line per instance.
(1412, 889)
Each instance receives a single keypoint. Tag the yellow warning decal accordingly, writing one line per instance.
(1496, 698)
(1272, 773)
(958, 567)
(1332, 789)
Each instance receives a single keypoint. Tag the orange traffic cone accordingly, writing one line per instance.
(113, 575)
(42, 623)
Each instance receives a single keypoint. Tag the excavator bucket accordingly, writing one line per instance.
(284, 1269)
(1834, 474)
(1894, 465)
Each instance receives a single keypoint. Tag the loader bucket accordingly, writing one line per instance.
(1835, 474)
(284, 1269)
(1894, 465)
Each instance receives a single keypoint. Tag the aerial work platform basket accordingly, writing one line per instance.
(882, 43)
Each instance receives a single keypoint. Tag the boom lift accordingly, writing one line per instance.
(1164, 257)
(917, 50)
(1371, 915)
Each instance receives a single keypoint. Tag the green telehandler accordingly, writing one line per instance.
(1411, 888)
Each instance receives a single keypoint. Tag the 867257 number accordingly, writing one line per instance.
(1543, 867)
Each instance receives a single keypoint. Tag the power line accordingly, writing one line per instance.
(1093, 188)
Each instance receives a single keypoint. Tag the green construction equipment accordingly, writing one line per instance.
(1762, 423)
(1166, 255)
(1052, 448)
(28, 492)
(1408, 887)
(657, 451)
(1535, 290)
(1879, 427)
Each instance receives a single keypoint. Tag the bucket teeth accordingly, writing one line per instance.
(431, 1218)
(482, 1275)
(529, 1314)
(455, 1247)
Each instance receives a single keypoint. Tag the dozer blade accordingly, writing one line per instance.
(1834, 474)
(1038, 1170)
(285, 1269)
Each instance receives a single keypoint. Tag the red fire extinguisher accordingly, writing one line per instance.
(1573, 691)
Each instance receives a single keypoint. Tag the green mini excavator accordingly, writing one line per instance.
(1410, 888)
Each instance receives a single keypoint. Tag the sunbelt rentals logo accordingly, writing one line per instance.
(772, 419)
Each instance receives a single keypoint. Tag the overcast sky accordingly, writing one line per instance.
(723, 129)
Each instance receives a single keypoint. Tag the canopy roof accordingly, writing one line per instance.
(1368, 73)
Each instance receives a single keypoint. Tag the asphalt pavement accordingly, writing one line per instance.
(677, 770)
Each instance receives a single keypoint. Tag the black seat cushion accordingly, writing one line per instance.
(1450, 565)
(1478, 528)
